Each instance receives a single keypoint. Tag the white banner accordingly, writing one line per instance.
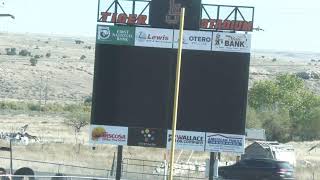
(187, 140)
(194, 40)
(216, 142)
(108, 135)
(231, 42)
(153, 37)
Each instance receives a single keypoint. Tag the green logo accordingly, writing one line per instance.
(118, 35)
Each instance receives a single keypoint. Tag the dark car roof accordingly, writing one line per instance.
(263, 159)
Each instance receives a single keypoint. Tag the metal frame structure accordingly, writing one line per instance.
(7, 15)
(117, 6)
(236, 12)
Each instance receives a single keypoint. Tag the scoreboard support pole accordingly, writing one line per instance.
(119, 163)
(213, 167)
(176, 94)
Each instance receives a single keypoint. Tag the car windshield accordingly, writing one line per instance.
(285, 165)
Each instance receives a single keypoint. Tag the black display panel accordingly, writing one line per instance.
(134, 87)
(213, 91)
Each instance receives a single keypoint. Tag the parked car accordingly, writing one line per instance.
(258, 169)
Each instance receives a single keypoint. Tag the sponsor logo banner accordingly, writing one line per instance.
(108, 135)
(147, 137)
(187, 140)
(194, 40)
(216, 142)
(118, 35)
(231, 42)
(153, 37)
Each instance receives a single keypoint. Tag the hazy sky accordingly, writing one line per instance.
(289, 24)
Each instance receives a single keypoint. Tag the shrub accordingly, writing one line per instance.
(87, 47)
(24, 52)
(54, 107)
(48, 55)
(33, 61)
(88, 100)
(72, 107)
(11, 105)
(37, 56)
(82, 57)
(11, 51)
(34, 107)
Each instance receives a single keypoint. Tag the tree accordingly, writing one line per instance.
(286, 93)
(77, 120)
(277, 125)
(252, 120)
(309, 129)
(264, 94)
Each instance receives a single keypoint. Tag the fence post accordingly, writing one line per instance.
(165, 171)
(11, 169)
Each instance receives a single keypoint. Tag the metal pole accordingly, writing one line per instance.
(119, 163)
(165, 170)
(176, 94)
(211, 166)
(11, 169)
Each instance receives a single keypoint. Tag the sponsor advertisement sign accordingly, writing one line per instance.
(108, 135)
(231, 42)
(194, 40)
(153, 37)
(147, 137)
(118, 35)
(217, 142)
(187, 140)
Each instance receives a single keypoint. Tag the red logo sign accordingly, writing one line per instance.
(219, 24)
(123, 18)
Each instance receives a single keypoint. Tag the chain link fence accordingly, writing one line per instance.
(132, 169)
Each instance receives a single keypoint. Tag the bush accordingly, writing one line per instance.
(88, 100)
(82, 57)
(277, 125)
(12, 105)
(34, 107)
(48, 55)
(72, 107)
(52, 107)
(37, 56)
(55, 107)
(33, 61)
(11, 51)
(87, 47)
(24, 52)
